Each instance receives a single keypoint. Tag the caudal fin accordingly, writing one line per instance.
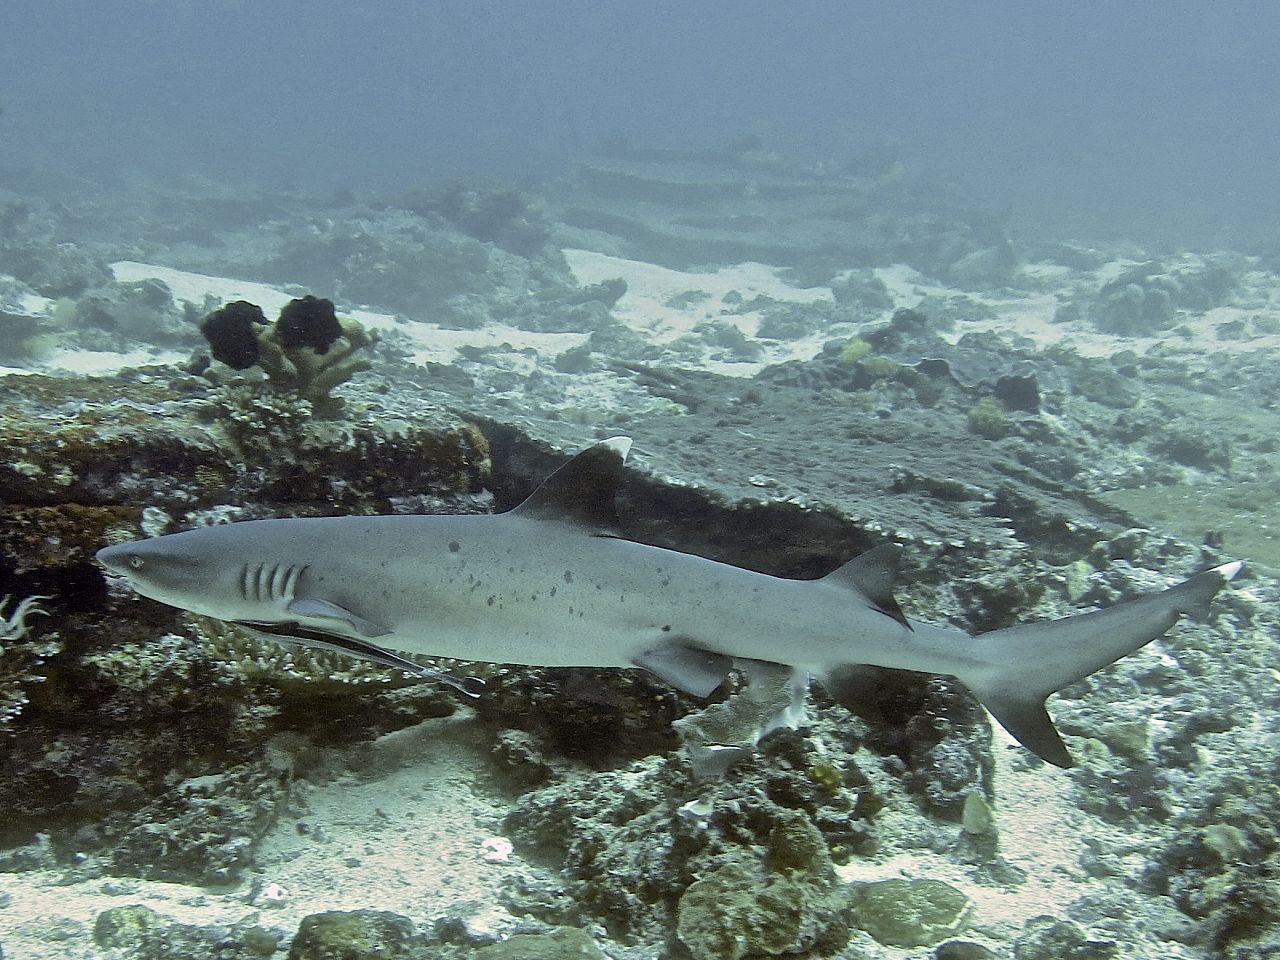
(1026, 663)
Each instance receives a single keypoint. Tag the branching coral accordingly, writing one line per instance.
(307, 352)
(15, 626)
(20, 656)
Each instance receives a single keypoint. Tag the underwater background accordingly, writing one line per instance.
(997, 282)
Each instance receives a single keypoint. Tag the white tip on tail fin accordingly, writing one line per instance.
(1024, 664)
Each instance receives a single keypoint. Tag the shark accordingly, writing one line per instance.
(553, 582)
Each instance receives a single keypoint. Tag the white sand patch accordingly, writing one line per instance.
(414, 830)
(195, 288)
(667, 304)
(1031, 315)
(200, 288)
(672, 302)
(438, 345)
(664, 304)
(104, 362)
(1047, 272)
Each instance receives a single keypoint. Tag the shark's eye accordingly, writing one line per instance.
(135, 561)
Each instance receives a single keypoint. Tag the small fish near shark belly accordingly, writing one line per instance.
(494, 588)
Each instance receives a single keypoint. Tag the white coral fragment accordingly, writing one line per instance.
(15, 626)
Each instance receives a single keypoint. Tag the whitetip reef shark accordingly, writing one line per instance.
(553, 582)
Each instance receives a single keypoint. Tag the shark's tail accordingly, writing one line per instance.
(1022, 665)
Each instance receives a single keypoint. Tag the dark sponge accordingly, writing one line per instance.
(232, 333)
(308, 322)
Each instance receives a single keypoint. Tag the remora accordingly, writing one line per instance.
(554, 583)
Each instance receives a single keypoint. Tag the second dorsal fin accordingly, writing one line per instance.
(582, 491)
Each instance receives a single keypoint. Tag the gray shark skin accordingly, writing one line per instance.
(553, 583)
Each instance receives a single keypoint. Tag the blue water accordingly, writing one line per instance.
(1147, 119)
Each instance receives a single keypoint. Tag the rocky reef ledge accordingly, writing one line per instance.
(201, 790)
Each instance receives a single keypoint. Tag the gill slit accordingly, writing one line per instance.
(264, 582)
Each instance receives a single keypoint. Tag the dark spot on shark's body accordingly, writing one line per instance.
(454, 546)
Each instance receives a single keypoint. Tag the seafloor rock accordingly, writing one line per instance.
(137, 932)
(34, 251)
(1048, 938)
(735, 911)
(491, 212)
(353, 935)
(1222, 864)
(563, 944)
(1149, 298)
(631, 841)
(963, 950)
(25, 332)
(909, 913)
(127, 718)
(142, 311)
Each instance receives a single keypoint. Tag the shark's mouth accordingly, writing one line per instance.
(292, 633)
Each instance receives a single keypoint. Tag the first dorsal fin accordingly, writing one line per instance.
(582, 491)
(874, 575)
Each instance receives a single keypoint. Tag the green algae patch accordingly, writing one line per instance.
(910, 913)
(125, 927)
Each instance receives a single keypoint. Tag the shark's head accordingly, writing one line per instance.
(205, 571)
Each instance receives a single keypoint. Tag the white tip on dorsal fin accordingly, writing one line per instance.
(874, 575)
(582, 491)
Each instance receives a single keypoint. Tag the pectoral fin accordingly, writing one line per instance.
(319, 609)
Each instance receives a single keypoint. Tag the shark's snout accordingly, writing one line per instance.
(115, 559)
